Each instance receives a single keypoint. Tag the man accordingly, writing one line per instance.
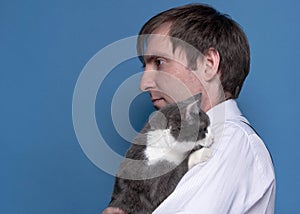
(195, 49)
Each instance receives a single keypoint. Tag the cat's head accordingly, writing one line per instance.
(185, 120)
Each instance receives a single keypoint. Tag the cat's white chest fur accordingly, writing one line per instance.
(162, 146)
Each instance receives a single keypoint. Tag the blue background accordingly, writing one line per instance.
(45, 44)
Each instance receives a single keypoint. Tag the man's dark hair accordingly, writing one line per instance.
(203, 27)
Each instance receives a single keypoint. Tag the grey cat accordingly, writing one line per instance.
(169, 144)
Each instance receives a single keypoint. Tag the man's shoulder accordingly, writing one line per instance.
(239, 131)
(234, 132)
(240, 124)
(242, 138)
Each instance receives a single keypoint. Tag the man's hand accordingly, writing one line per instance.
(113, 210)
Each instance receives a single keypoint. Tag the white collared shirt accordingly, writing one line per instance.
(238, 178)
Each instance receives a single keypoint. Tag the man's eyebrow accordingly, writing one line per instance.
(152, 56)
(149, 58)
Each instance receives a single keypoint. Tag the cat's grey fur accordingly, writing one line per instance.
(140, 187)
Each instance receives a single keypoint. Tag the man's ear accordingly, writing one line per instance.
(212, 61)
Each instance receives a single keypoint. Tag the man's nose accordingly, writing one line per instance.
(148, 80)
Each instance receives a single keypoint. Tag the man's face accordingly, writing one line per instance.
(166, 76)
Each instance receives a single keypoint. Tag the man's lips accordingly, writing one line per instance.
(156, 99)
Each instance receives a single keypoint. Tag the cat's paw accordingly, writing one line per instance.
(199, 156)
(208, 140)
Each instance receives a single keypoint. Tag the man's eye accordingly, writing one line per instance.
(158, 62)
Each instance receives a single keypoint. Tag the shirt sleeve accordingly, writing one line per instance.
(239, 178)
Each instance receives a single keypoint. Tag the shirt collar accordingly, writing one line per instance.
(224, 111)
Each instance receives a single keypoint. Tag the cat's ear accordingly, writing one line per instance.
(192, 109)
(192, 99)
(198, 97)
(157, 120)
